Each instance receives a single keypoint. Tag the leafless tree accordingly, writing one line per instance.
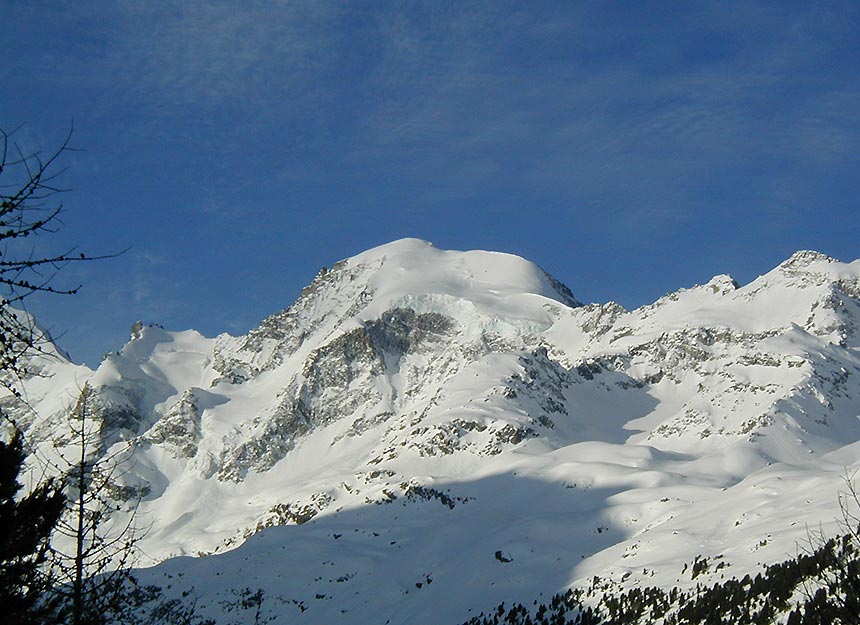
(29, 206)
(89, 581)
(95, 546)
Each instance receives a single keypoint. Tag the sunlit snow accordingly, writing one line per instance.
(426, 433)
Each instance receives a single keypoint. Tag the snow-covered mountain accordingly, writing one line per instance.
(425, 433)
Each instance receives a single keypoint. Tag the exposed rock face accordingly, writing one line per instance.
(281, 334)
(348, 375)
(179, 429)
(406, 363)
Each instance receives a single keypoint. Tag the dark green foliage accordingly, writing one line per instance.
(818, 587)
(563, 609)
(92, 586)
(25, 528)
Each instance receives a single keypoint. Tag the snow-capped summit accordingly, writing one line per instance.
(417, 412)
(411, 268)
(805, 259)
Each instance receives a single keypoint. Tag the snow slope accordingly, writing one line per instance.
(425, 433)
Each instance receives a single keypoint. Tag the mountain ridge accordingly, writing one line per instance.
(409, 381)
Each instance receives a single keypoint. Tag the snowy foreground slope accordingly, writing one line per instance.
(426, 433)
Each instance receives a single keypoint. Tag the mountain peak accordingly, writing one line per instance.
(806, 268)
(721, 284)
(408, 381)
(406, 245)
(805, 258)
(413, 267)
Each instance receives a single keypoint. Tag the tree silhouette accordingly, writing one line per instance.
(67, 547)
(28, 207)
(95, 542)
(95, 545)
(25, 528)
(28, 184)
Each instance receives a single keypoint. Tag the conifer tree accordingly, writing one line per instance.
(42, 583)
(28, 182)
(26, 524)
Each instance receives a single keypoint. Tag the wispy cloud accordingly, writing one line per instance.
(482, 94)
(191, 58)
(652, 125)
(272, 135)
(203, 52)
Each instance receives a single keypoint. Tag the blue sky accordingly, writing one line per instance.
(630, 149)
